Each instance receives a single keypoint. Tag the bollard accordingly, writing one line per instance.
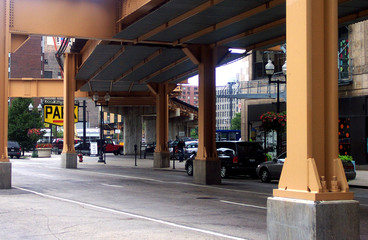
(135, 155)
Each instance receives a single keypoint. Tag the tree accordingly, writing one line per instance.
(21, 120)
(236, 122)
(194, 133)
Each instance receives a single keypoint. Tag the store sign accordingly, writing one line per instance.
(54, 114)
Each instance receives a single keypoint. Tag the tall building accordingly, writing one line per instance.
(226, 105)
(189, 94)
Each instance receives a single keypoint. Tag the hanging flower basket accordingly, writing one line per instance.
(272, 121)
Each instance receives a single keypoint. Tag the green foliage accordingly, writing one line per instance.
(269, 157)
(21, 120)
(236, 122)
(346, 158)
(194, 133)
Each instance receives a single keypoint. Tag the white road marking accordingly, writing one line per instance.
(110, 185)
(131, 214)
(181, 183)
(243, 204)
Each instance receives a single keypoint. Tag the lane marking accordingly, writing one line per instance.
(180, 183)
(110, 185)
(243, 204)
(131, 214)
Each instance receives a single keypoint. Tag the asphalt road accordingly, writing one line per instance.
(98, 201)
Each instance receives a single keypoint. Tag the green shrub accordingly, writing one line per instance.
(346, 158)
(269, 157)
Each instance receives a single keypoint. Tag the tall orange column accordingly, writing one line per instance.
(161, 154)
(207, 165)
(313, 199)
(69, 156)
(5, 165)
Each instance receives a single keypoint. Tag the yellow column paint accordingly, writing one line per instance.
(312, 103)
(69, 89)
(4, 51)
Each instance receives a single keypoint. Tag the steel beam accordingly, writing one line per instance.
(312, 170)
(38, 87)
(64, 18)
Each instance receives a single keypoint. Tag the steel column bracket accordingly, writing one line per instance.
(17, 41)
(315, 187)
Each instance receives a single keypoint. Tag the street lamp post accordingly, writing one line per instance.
(270, 70)
(107, 99)
(30, 108)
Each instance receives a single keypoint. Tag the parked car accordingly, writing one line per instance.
(58, 144)
(110, 147)
(237, 158)
(191, 147)
(271, 170)
(79, 148)
(14, 150)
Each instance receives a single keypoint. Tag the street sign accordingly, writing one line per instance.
(94, 149)
(54, 114)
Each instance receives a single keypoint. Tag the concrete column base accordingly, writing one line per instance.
(304, 219)
(5, 175)
(207, 172)
(161, 159)
(69, 160)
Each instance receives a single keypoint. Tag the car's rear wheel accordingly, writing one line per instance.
(190, 170)
(121, 151)
(116, 153)
(265, 176)
(224, 172)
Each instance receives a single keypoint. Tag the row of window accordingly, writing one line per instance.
(188, 88)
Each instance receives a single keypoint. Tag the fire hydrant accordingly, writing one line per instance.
(80, 155)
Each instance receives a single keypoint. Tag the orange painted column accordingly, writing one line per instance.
(207, 165)
(312, 170)
(161, 154)
(69, 156)
(5, 165)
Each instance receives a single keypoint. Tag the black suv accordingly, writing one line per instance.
(14, 149)
(237, 158)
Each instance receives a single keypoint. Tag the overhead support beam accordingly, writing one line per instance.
(353, 17)
(237, 18)
(39, 87)
(87, 50)
(132, 10)
(18, 40)
(168, 67)
(47, 17)
(268, 43)
(177, 20)
(252, 32)
(141, 64)
(107, 63)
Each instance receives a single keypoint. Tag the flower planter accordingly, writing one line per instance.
(44, 152)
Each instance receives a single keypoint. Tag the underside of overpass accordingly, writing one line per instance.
(139, 50)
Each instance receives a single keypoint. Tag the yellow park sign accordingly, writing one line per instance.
(54, 114)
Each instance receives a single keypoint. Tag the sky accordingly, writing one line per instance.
(224, 74)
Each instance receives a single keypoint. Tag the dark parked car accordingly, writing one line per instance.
(268, 171)
(85, 150)
(237, 158)
(14, 149)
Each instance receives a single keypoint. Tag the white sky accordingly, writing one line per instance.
(224, 74)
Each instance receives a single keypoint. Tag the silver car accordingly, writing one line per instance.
(268, 171)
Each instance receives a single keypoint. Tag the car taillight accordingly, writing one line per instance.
(235, 159)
